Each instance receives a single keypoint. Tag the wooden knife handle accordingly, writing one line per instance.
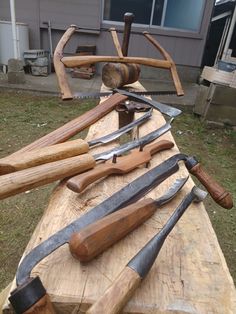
(23, 180)
(43, 306)
(118, 294)
(97, 237)
(217, 192)
(43, 155)
(124, 165)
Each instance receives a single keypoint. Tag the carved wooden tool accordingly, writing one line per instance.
(60, 62)
(117, 74)
(23, 180)
(120, 165)
(98, 236)
(61, 151)
(119, 293)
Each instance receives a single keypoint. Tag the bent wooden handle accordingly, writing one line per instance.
(43, 155)
(118, 294)
(23, 180)
(124, 165)
(217, 192)
(97, 237)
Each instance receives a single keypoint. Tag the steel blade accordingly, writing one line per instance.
(165, 109)
(127, 195)
(173, 190)
(133, 144)
(111, 137)
(97, 95)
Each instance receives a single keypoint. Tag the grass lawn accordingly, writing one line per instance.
(25, 117)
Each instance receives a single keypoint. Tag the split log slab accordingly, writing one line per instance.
(190, 274)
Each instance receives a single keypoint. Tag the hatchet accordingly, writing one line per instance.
(120, 291)
(63, 150)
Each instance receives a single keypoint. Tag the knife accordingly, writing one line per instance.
(62, 150)
(23, 180)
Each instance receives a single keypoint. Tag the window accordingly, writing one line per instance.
(177, 14)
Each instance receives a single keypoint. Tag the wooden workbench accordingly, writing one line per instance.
(190, 274)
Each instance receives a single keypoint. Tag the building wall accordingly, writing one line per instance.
(185, 48)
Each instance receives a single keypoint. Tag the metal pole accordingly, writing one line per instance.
(13, 23)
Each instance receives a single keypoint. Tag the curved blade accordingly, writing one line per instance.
(173, 190)
(136, 143)
(127, 195)
(168, 110)
(111, 137)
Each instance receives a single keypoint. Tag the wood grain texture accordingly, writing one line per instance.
(190, 275)
(117, 295)
(43, 155)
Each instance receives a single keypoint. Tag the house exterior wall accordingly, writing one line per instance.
(186, 48)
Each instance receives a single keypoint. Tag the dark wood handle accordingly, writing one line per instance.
(43, 155)
(97, 237)
(128, 19)
(118, 294)
(124, 165)
(20, 181)
(43, 306)
(217, 192)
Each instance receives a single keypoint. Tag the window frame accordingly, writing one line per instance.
(160, 30)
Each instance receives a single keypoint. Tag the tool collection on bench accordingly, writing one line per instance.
(52, 158)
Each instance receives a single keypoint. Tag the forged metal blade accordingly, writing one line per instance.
(143, 261)
(86, 95)
(133, 144)
(111, 137)
(165, 109)
(173, 190)
(127, 195)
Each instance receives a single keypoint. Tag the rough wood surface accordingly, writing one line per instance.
(190, 274)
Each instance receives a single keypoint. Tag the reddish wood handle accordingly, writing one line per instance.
(97, 237)
(43, 306)
(20, 181)
(124, 165)
(217, 192)
(43, 155)
(118, 294)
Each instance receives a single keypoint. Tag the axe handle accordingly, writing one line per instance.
(97, 237)
(118, 294)
(20, 181)
(43, 155)
(217, 192)
(43, 306)
(123, 165)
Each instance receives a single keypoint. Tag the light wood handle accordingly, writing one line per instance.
(43, 155)
(76, 125)
(20, 181)
(97, 237)
(217, 192)
(124, 165)
(118, 294)
(43, 306)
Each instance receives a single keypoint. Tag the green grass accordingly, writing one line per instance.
(25, 117)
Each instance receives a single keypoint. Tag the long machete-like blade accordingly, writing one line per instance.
(127, 195)
(165, 109)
